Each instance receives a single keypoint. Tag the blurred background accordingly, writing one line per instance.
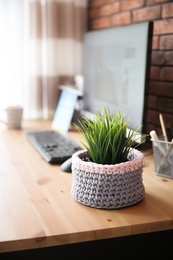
(112, 13)
(40, 49)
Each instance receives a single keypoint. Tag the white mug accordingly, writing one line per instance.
(12, 116)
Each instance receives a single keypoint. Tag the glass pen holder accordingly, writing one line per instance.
(163, 157)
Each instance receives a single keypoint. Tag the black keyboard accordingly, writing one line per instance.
(53, 146)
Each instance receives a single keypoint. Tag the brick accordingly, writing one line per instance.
(98, 2)
(105, 10)
(163, 26)
(155, 42)
(115, 7)
(153, 116)
(161, 88)
(154, 72)
(167, 10)
(169, 58)
(121, 19)
(165, 104)
(94, 12)
(166, 42)
(132, 4)
(100, 23)
(166, 73)
(158, 58)
(153, 2)
(152, 101)
(144, 14)
(110, 9)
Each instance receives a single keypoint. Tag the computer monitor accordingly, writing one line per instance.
(116, 66)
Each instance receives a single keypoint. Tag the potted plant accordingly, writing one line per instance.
(108, 172)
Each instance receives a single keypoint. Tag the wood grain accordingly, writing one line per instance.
(38, 210)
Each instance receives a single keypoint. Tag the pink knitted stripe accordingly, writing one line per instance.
(135, 158)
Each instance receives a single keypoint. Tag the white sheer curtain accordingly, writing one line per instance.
(11, 52)
(40, 48)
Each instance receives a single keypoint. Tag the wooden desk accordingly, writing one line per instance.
(37, 209)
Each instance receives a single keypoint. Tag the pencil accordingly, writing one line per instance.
(163, 128)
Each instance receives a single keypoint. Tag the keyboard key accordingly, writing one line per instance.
(53, 146)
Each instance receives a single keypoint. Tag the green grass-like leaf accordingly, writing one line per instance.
(105, 137)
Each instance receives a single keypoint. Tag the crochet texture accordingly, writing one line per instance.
(108, 186)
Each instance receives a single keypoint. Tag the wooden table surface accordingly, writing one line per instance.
(37, 208)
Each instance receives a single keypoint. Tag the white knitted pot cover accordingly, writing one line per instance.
(107, 186)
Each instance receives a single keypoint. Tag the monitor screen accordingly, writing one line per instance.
(115, 69)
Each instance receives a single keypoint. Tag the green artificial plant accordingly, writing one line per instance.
(106, 138)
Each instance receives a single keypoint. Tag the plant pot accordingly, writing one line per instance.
(107, 186)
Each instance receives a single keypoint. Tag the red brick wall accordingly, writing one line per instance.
(111, 13)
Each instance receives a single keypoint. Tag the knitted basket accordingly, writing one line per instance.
(107, 186)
